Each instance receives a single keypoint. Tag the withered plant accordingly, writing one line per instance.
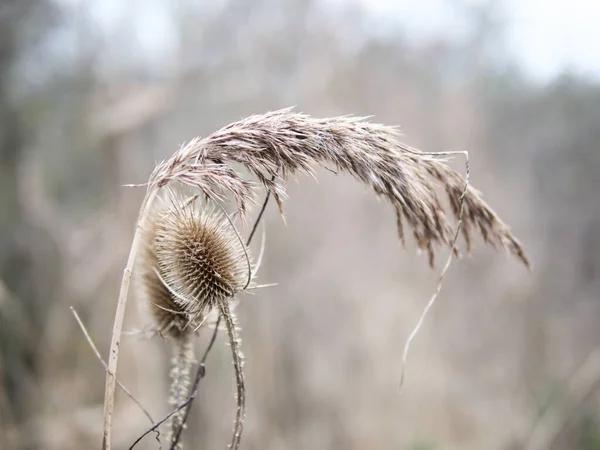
(191, 263)
(272, 146)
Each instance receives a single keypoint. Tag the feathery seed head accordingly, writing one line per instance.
(279, 143)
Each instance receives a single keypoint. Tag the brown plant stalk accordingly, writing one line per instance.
(284, 142)
(238, 362)
(200, 373)
(113, 356)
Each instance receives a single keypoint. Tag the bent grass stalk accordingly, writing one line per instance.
(113, 358)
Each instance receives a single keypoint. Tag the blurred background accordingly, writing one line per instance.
(94, 92)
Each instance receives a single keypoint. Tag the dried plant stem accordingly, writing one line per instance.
(111, 371)
(194, 392)
(188, 402)
(199, 376)
(234, 342)
(260, 214)
(183, 359)
(433, 298)
(97, 353)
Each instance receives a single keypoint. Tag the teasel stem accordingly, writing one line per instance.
(201, 368)
(183, 359)
(188, 402)
(113, 357)
(238, 362)
(187, 405)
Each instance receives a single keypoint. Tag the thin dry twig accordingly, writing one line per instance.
(99, 356)
(259, 217)
(199, 376)
(442, 274)
(194, 392)
(201, 372)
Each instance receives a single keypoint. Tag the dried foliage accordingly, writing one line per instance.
(286, 142)
(193, 263)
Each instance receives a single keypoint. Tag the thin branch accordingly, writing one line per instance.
(444, 270)
(99, 356)
(260, 214)
(194, 392)
(201, 372)
(199, 376)
(236, 353)
(212, 341)
(111, 370)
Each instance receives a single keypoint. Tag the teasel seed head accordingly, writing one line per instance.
(166, 316)
(200, 256)
(192, 257)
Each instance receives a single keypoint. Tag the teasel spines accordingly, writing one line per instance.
(165, 314)
(200, 256)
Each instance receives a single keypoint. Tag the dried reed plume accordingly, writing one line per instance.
(285, 142)
(273, 145)
(191, 262)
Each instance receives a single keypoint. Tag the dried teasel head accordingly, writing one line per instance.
(192, 258)
(202, 257)
(166, 317)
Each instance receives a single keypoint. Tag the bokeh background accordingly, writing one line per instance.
(94, 92)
